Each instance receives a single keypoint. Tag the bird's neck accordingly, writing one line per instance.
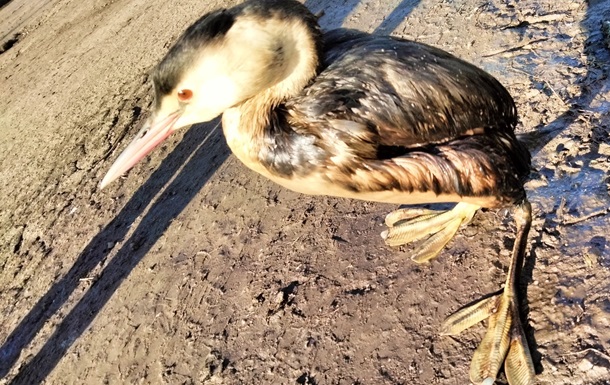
(299, 45)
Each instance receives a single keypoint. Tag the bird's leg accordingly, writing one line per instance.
(504, 341)
(436, 228)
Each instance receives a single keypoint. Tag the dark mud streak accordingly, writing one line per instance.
(10, 43)
(202, 165)
(4, 2)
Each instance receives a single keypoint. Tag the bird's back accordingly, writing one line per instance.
(413, 93)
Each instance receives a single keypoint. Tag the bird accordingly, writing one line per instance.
(349, 114)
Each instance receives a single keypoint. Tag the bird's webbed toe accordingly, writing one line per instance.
(434, 228)
(504, 342)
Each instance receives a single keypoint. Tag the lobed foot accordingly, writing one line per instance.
(504, 341)
(435, 227)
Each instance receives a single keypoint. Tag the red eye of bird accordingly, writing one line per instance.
(185, 95)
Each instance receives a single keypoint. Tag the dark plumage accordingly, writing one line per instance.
(348, 114)
(386, 98)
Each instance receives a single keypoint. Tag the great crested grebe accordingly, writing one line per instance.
(349, 114)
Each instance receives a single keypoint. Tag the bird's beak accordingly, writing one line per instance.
(147, 139)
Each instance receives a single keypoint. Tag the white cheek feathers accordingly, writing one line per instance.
(210, 99)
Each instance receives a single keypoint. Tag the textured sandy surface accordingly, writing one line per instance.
(195, 270)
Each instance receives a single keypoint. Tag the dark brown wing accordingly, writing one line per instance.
(406, 94)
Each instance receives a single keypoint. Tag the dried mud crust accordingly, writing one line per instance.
(194, 270)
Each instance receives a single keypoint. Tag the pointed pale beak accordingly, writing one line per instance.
(147, 139)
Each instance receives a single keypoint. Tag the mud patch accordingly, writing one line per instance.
(10, 43)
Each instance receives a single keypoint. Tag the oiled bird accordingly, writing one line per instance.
(354, 115)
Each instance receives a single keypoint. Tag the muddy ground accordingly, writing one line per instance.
(194, 270)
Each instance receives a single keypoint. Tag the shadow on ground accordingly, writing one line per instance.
(202, 164)
(336, 16)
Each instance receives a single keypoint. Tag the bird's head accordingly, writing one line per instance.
(223, 59)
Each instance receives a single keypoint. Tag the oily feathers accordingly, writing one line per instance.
(390, 114)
